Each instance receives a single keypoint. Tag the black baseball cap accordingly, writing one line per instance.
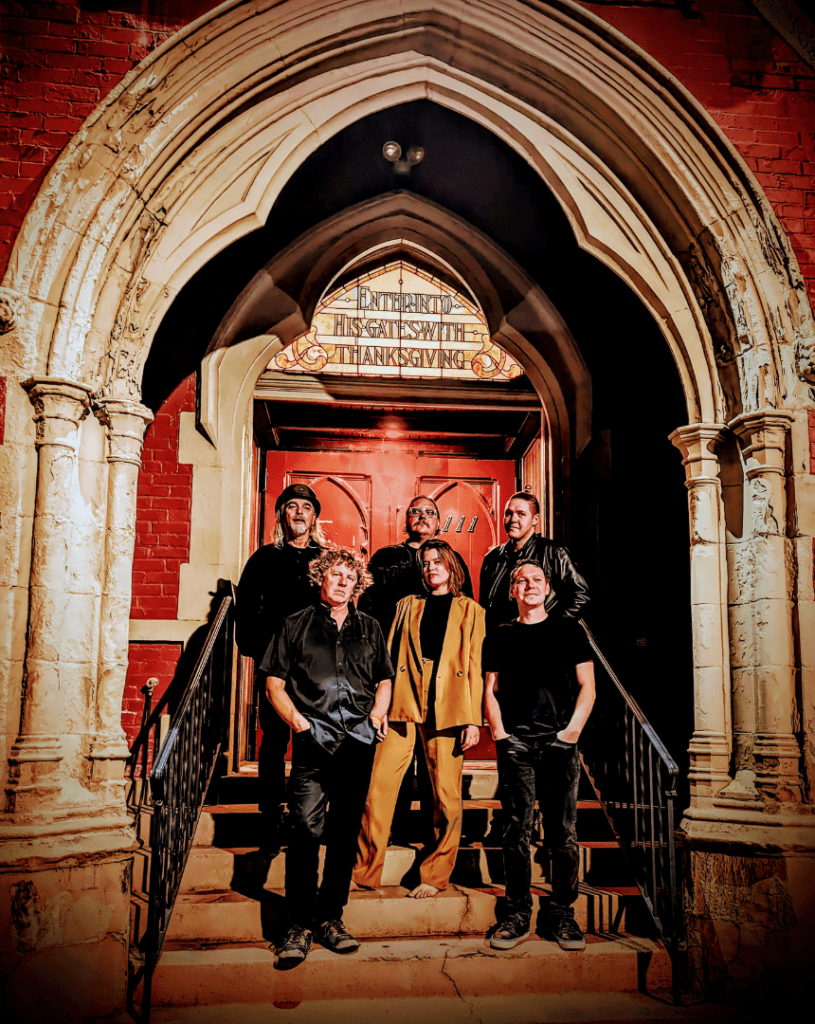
(302, 491)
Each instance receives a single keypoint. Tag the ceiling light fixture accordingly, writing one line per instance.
(392, 152)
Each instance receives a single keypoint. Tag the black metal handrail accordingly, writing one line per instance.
(635, 778)
(179, 781)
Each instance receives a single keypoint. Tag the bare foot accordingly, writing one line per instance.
(421, 892)
(356, 887)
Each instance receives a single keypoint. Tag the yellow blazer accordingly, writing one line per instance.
(459, 681)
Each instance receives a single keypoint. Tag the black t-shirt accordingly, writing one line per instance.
(537, 683)
(433, 625)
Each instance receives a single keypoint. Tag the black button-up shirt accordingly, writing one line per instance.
(331, 675)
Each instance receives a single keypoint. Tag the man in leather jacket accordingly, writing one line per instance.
(569, 593)
(273, 585)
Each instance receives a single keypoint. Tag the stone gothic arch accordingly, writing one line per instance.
(189, 153)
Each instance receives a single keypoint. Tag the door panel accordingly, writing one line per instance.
(345, 507)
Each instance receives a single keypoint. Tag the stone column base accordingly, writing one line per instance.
(64, 932)
(751, 921)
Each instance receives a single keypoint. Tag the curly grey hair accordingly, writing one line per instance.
(319, 566)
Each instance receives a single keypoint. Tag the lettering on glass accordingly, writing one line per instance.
(398, 321)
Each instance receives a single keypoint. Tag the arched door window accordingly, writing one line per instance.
(398, 321)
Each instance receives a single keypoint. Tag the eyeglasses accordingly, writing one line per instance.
(429, 513)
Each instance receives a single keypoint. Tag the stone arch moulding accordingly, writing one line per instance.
(518, 313)
(191, 150)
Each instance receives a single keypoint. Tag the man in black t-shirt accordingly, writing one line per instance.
(538, 696)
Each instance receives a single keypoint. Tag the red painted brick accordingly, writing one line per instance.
(163, 511)
(147, 660)
(38, 43)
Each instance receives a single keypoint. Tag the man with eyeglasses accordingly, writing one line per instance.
(396, 569)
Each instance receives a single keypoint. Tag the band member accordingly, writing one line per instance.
(397, 573)
(534, 666)
(435, 643)
(330, 681)
(568, 593)
(275, 583)
(396, 569)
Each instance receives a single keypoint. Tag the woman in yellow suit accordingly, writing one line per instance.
(435, 644)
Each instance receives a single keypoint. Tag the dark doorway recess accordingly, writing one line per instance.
(628, 520)
(466, 169)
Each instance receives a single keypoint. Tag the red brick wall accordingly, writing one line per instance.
(755, 88)
(163, 511)
(812, 442)
(147, 660)
(59, 60)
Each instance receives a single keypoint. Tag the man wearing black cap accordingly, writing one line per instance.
(274, 584)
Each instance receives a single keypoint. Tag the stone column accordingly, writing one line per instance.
(711, 743)
(765, 601)
(126, 422)
(34, 763)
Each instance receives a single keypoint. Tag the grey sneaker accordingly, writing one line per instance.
(510, 932)
(566, 931)
(333, 936)
(294, 949)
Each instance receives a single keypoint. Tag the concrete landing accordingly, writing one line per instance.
(545, 1008)
(453, 969)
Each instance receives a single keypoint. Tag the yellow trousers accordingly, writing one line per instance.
(444, 767)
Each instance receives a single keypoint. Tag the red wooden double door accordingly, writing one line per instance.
(364, 496)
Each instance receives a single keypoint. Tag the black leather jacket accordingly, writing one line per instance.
(569, 593)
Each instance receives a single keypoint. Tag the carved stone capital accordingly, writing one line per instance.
(697, 443)
(763, 439)
(126, 422)
(59, 407)
(11, 306)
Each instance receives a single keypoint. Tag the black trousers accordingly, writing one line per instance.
(271, 763)
(528, 769)
(326, 799)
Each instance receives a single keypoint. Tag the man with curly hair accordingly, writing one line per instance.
(329, 679)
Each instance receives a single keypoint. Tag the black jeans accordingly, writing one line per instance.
(327, 795)
(271, 763)
(528, 768)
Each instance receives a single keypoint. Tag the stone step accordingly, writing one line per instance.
(453, 968)
(238, 825)
(227, 916)
(242, 868)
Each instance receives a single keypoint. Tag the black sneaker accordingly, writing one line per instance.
(333, 936)
(566, 931)
(294, 949)
(510, 932)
